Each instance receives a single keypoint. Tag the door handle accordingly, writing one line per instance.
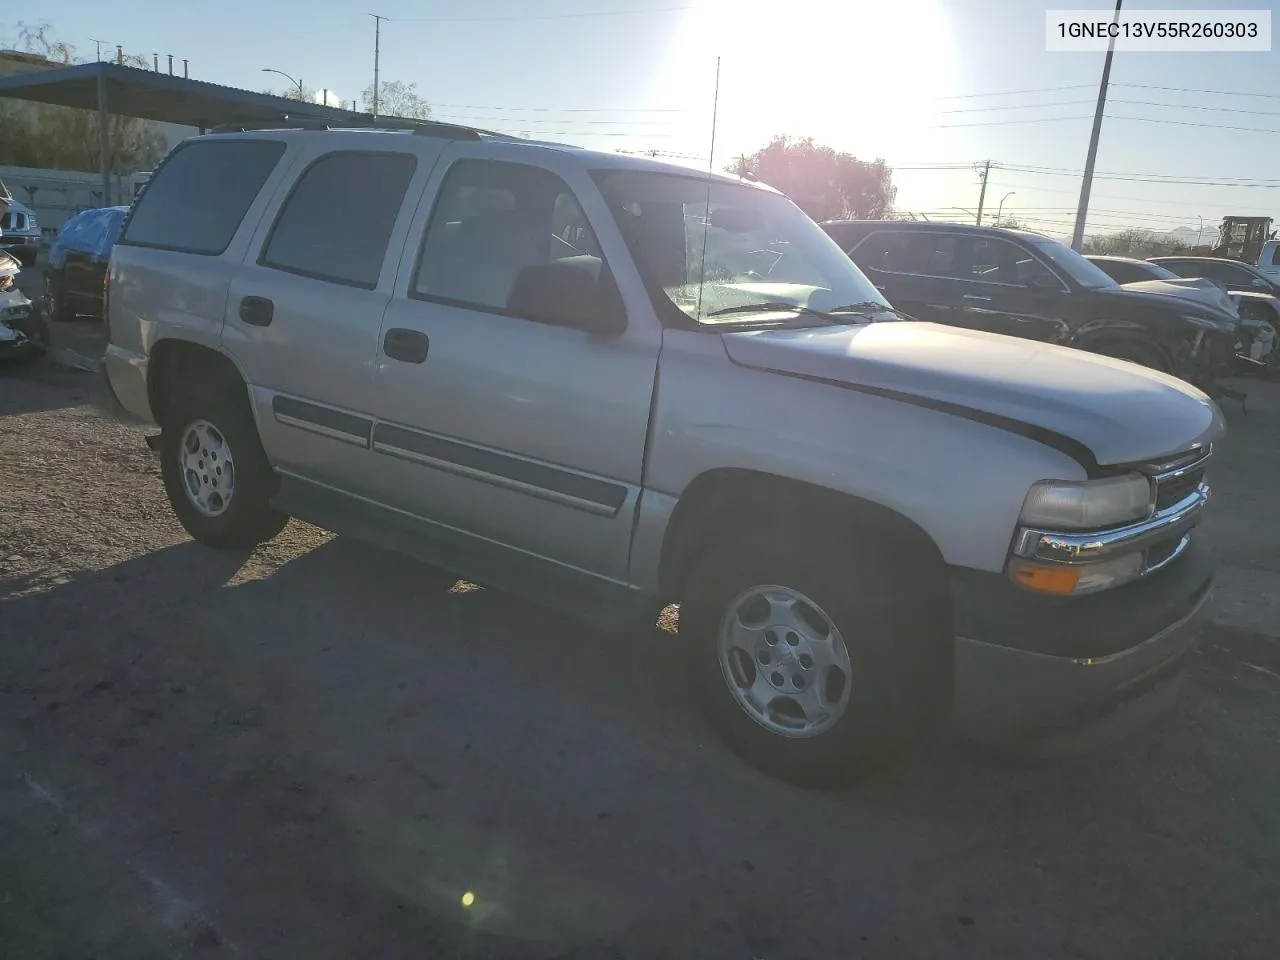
(408, 346)
(976, 298)
(257, 311)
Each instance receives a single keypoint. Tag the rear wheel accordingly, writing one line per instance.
(215, 470)
(810, 662)
(55, 306)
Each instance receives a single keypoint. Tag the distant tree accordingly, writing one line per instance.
(1134, 242)
(61, 138)
(305, 95)
(398, 99)
(825, 183)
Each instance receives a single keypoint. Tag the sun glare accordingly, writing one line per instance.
(861, 76)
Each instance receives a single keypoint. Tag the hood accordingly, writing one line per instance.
(1202, 291)
(1170, 296)
(1121, 412)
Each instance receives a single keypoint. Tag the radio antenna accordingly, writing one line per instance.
(706, 219)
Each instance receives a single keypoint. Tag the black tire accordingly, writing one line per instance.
(1135, 351)
(248, 519)
(54, 302)
(900, 650)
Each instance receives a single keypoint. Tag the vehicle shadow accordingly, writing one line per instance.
(42, 384)
(371, 741)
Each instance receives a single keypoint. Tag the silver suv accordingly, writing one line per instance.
(610, 384)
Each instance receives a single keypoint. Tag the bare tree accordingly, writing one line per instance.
(398, 99)
(1134, 242)
(61, 138)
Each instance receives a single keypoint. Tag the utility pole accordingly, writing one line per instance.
(985, 173)
(1082, 212)
(98, 48)
(377, 56)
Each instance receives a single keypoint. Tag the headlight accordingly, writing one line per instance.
(1216, 324)
(1088, 504)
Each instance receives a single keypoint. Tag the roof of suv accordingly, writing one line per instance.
(597, 159)
(1095, 257)
(1169, 259)
(925, 226)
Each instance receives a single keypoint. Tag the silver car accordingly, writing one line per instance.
(610, 384)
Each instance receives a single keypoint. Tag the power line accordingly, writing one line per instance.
(1089, 86)
(1177, 123)
(1136, 103)
(1221, 93)
(549, 16)
(1012, 93)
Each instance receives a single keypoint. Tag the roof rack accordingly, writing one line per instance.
(423, 128)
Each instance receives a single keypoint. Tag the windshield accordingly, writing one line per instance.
(1079, 269)
(1160, 273)
(762, 255)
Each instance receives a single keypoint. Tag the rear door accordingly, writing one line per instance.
(305, 307)
(914, 269)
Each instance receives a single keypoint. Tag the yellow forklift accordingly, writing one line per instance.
(1241, 238)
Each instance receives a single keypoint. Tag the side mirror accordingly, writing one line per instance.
(1259, 283)
(568, 295)
(1043, 284)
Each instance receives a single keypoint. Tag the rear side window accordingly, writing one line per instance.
(337, 222)
(200, 194)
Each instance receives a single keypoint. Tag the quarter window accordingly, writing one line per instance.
(337, 222)
(197, 199)
(491, 221)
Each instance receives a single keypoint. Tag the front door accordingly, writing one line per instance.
(527, 435)
(1006, 289)
(304, 310)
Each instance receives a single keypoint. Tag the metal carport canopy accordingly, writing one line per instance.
(110, 88)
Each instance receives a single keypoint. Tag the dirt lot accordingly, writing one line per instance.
(320, 750)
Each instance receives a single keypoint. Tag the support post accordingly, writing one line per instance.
(104, 137)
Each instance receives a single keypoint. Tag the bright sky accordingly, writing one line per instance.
(917, 82)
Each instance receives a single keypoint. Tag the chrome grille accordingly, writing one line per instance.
(1178, 477)
(1177, 488)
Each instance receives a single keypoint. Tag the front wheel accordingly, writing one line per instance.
(810, 662)
(215, 470)
(1135, 351)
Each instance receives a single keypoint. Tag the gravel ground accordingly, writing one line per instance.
(321, 750)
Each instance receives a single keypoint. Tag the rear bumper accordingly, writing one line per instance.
(126, 374)
(1029, 667)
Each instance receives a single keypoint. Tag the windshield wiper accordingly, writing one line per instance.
(864, 308)
(781, 306)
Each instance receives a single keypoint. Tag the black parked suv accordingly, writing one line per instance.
(1232, 274)
(1027, 285)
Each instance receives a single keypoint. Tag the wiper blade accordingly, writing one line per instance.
(864, 308)
(776, 306)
